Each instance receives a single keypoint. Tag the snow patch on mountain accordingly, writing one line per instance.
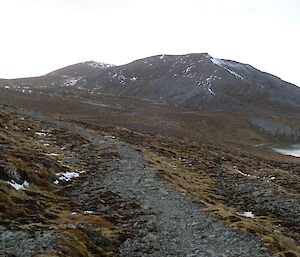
(207, 83)
(224, 64)
(120, 77)
(71, 81)
(188, 69)
(17, 186)
(210, 91)
(98, 64)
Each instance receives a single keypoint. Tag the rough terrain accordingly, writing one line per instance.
(162, 220)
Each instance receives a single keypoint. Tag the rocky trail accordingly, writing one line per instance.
(164, 221)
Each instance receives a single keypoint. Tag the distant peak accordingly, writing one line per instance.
(207, 55)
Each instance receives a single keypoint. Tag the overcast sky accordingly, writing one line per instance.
(38, 36)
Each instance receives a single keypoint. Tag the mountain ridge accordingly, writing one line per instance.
(197, 82)
(194, 80)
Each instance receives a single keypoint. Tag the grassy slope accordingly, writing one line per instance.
(217, 177)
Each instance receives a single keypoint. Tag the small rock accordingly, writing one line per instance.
(149, 180)
(211, 253)
(146, 206)
(150, 238)
(71, 160)
(3, 146)
(163, 192)
(86, 146)
(136, 180)
(192, 255)
(67, 147)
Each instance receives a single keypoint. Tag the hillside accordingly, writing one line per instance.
(77, 189)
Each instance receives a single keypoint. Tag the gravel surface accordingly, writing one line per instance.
(172, 224)
(24, 244)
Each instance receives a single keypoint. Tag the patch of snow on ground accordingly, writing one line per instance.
(162, 57)
(17, 186)
(98, 64)
(244, 174)
(222, 64)
(122, 79)
(248, 214)
(112, 137)
(71, 81)
(133, 79)
(212, 77)
(236, 65)
(53, 154)
(88, 212)
(188, 69)
(67, 176)
(210, 91)
(206, 84)
(43, 134)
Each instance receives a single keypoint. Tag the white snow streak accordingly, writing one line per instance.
(210, 91)
(17, 186)
(67, 176)
(222, 64)
(248, 214)
(98, 64)
(71, 81)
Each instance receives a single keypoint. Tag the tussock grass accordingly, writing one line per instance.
(44, 205)
(195, 175)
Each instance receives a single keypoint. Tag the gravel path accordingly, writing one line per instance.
(173, 225)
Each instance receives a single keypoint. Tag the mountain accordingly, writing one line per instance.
(197, 81)
(171, 89)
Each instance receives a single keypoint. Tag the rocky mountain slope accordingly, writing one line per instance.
(196, 81)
